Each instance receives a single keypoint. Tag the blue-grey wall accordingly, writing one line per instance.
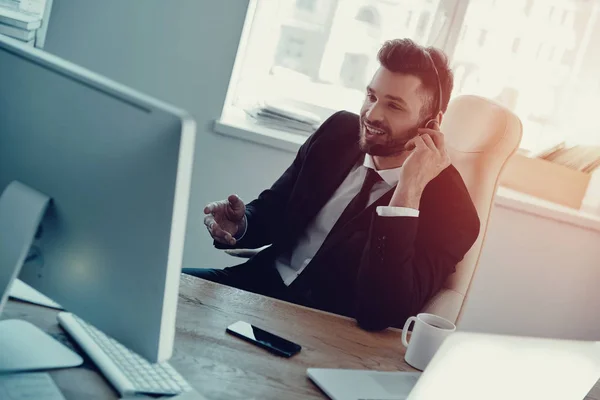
(182, 52)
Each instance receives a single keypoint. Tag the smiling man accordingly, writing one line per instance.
(371, 218)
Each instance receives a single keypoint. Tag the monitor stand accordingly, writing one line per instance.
(24, 347)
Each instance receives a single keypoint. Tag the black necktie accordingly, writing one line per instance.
(302, 284)
(360, 201)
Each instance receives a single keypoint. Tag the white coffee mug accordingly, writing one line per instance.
(427, 336)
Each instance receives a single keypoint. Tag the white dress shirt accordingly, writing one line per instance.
(290, 266)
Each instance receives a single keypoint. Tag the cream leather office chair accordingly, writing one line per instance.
(480, 136)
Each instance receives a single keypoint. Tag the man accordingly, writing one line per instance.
(370, 219)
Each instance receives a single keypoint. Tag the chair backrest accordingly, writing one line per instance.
(480, 136)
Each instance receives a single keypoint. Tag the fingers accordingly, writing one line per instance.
(233, 201)
(224, 211)
(218, 233)
(429, 142)
(236, 204)
(419, 144)
(436, 135)
(412, 143)
(435, 142)
(438, 139)
(212, 207)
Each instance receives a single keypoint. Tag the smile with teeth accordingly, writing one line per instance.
(374, 131)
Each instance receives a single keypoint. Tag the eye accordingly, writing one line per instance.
(371, 97)
(395, 106)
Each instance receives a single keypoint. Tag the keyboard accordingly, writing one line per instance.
(127, 371)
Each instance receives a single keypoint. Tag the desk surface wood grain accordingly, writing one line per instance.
(221, 366)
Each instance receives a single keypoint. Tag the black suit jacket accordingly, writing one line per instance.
(379, 270)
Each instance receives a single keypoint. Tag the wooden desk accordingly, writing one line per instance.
(221, 366)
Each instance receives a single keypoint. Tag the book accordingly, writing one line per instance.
(34, 8)
(279, 123)
(580, 158)
(18, 19)
(45, 8)
(548, 153)
(291, 113)
(17, 33)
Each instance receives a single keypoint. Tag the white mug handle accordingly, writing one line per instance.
(405, 330)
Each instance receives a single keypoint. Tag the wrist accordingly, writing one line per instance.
(408, 196)
(241, 228)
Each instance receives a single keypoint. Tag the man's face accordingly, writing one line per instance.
(391, 113)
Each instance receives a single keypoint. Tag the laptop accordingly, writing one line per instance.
(475, 366)
(354, 384)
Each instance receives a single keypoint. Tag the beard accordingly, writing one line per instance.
(387, 144)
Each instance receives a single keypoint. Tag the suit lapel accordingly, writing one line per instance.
(334, 238)
(326, 169)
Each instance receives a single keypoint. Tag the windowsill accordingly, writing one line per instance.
(239, 127)
(511, 199)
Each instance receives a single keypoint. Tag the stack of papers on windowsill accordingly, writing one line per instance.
(286, 118)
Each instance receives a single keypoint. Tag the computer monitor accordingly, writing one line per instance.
(117, 166)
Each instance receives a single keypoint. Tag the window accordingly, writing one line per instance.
(290, 50)
(551, 51)
(353, 73)
(409, 15)
(306, 5)
(527, 8)
(463, 33)
(422, 25)
(321, 62)
(568, 57)
(545, 85)
(516, 44)
(368, 16)
(482, 37)
(566, 19)
(540, 51)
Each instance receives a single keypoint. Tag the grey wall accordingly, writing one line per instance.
(182, 52)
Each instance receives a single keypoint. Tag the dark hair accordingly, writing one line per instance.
(407, 57)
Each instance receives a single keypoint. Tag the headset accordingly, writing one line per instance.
(433, 118)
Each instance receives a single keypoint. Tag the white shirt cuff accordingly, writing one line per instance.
(238, 238)
(397, 212)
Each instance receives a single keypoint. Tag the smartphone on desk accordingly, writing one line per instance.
(271, 342)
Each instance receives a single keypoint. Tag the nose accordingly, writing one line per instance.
(374, 114)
